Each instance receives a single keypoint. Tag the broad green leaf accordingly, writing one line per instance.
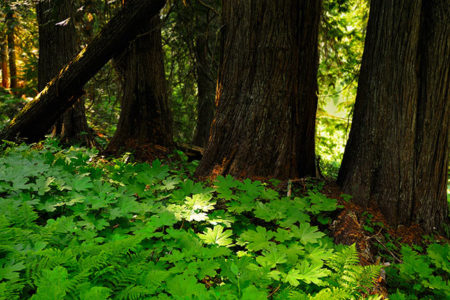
(253, 293)
(253, 189)
(217, 236)
(257, 240)
(307, 233)
(320, 203)
(312, 272)
(271, 258)
(182, 286)
(200, 202)
(292, 277)
(265, 212)
(224, 186)
(283, 235)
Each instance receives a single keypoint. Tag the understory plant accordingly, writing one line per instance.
(76, 226)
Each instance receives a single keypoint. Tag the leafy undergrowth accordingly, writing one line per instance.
(74, 226)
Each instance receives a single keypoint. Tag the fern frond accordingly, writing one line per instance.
(11, 289)
(333, 293)
(368, 276)
(341, 260)
(73, 285)
(133, 293)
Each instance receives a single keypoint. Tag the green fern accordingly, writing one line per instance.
(333, 293)
(350, 276)
(133, 292)
(11, 289)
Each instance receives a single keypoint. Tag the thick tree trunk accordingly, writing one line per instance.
(145, 116)
(206, 71)
(34, 121)
(206, 85)
(12, 56)
(4, 61)
(57, 46)
(396, 156)
(266, 94)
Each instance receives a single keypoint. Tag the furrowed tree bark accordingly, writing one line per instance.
(145, 116)
(266, 94)
(57, 46)
(397, 154)
(34, 121)
(206, 71)
(4, 58)
(12, 56)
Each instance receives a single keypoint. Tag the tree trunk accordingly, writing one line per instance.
(397, 154)
(11, 32)
(57, 46)
(4, 59)
(206, 71)
(266, 94)
(145, 116)
(36, 118)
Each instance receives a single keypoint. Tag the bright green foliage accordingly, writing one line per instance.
(217, 236)
(350, 277)
(76, 227)
(421, 276)
(341, 40)
(9, 106)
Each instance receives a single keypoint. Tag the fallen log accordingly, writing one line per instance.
(35, 119)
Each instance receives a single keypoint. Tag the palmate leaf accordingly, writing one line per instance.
(292, 277)
(224, 186)
(244, 203)
(217, 236)
(312, 272)
(200, 202)
(307, 273)
(307, 233)
(253, 189)
(265, 212)
(272, 258)
(296, 212)
(253, 293)
(185, 287)
(156, 172)
(164, 218)
(82, 183)
(283, 235)
(188, 188)
(320, 203)
(257, 240)
(316, 252)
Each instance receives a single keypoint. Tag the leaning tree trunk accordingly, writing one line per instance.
(4, 61)
(266, 94)
(145, 116)
(12, 56)
(36, 118)
(397, 154)
(57, 46)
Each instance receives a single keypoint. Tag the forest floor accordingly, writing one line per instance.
(77, 224)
